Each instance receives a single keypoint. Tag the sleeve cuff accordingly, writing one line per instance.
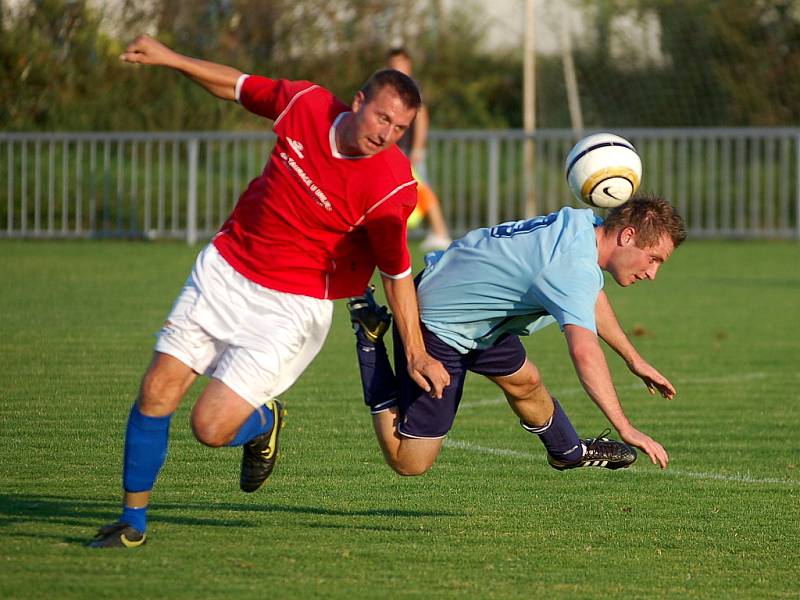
(405, 273)
(237, 91)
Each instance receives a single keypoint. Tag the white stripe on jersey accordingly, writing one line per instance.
(381, 201)
(292, 101)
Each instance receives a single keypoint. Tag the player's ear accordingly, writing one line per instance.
(626, 236)
(358, 101)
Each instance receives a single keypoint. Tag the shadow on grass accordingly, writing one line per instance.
(77, 511)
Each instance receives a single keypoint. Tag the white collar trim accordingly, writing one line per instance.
(332, 138)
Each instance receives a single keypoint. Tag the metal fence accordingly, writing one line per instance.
(731, 183)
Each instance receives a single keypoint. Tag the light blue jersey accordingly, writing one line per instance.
(514, 278)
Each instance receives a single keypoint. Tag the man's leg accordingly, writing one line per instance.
(146, 440)
(539, 413)
(221, 417)
(406, 456)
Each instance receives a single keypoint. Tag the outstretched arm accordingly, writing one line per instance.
(425, 370)
(609, 329)
(590, 364)
(220, 80)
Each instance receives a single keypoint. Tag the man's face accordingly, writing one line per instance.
(630, 264)
(379, 123)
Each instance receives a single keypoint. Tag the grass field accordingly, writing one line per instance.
(490, 520)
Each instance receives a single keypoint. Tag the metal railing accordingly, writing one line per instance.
(731, 183)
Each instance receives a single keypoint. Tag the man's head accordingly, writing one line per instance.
(400, 60)
(383, 109)
(638, 237)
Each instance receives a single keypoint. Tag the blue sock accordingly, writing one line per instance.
(146, 441)
(378, 381)
(559, 436)
(135, 517)
(256, 424)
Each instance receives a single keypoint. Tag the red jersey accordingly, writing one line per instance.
(315, 222)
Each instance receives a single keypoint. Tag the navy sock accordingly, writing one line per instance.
(258, 423)
(559, 436)
(377, 377)
(146, 441)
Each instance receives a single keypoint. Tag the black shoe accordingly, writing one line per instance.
(366, 314)
(260, 453)
(600, 452)
(117, 535)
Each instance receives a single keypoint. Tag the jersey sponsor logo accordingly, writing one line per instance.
(316, 192)
(296, 146)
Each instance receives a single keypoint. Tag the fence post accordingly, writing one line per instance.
(797, 187)
(191, 208)
(494, 180)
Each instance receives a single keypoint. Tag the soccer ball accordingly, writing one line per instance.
(603, 170)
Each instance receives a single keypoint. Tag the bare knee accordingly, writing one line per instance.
(163, 385)
(209, 431)
(158, 395)
(411, 463)
(531, 388)
(409, 470)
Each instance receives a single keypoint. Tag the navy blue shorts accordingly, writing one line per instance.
(422, 416)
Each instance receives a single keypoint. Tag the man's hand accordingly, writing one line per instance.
(145, 50)
(428, 373)
(654, 380)
(634, 437)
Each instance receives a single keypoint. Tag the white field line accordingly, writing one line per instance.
(574, 391)
(732, 477)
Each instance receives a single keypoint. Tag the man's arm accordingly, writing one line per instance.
(590, 364)
(220, 80)
(426, 371)
(609, 329)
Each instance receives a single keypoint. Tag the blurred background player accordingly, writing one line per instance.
(495, 284)
(257, 306)
(414, 144)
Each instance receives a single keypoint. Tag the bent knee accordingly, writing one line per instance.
(411, 466)
(159, 396)
(209, 433)
(410, 470)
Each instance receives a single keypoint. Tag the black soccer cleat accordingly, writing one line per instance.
(600, 452)
(118, 535)
(374, 320)
(260, 453)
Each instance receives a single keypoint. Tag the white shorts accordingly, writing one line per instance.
(253, 339)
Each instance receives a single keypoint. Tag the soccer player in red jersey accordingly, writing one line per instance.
(329, 207)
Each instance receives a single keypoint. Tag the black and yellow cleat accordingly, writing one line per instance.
(366, 314)
(600, 452)
(260, 453)
(118, 535)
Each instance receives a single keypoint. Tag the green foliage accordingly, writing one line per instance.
(722, 63)
(715, 63)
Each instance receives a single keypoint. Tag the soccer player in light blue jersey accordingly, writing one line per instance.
(498, 283)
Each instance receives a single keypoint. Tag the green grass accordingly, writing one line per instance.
(491, 519)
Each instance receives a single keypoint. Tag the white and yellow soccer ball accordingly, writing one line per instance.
(603, 170)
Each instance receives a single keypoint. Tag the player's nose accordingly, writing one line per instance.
(385, 132)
